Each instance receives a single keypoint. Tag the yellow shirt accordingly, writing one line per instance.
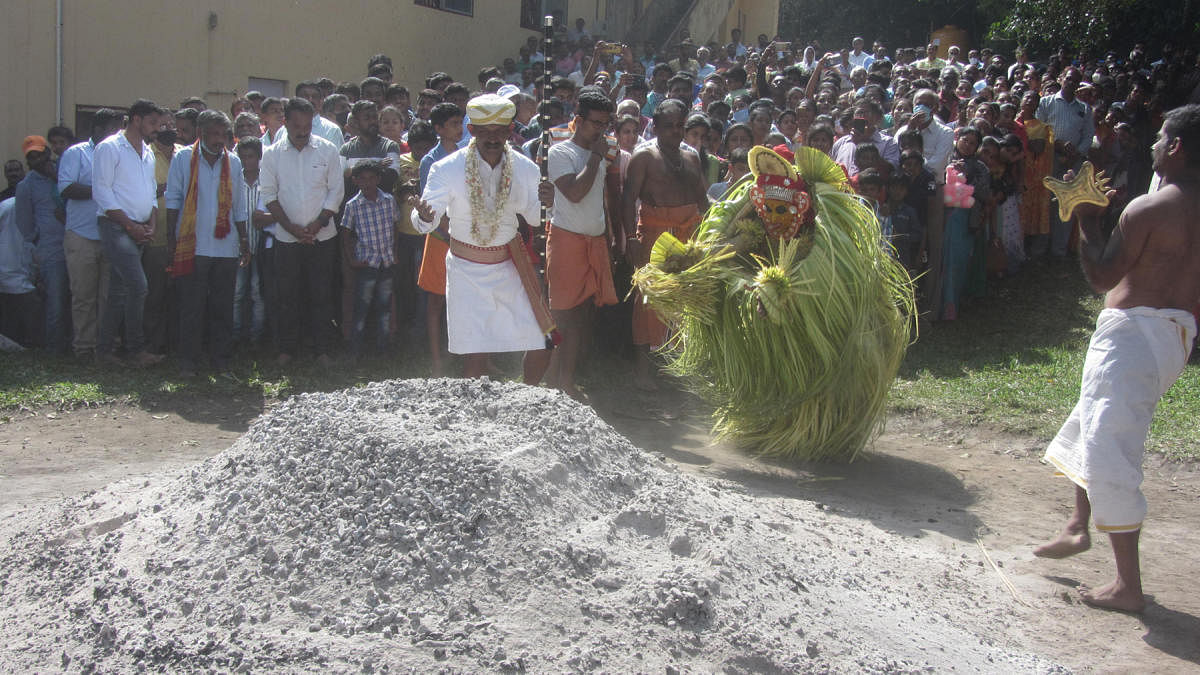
(162, 164)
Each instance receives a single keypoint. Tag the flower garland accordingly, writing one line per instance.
(479, 212)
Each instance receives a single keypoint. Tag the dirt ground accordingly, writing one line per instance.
(973, 493)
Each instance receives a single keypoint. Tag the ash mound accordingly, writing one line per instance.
(465, 525)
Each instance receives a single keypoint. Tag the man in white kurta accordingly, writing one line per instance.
(488, 307)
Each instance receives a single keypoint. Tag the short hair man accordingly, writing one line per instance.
(126, 200)
(664, 191)
(1148, 268)
(578, 272)
(185, 125)
(87, 267)
(493, 305)
(271, 116)
(59, 138)
(303, 201)
(34, 210)
(447, 122)
(311, 92)
(208, 241)
(368, 145)
(14, 171)
(160, 304)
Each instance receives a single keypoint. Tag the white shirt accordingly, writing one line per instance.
(123, 178)
(304, 182)
(938, 146)
(322, 127)
(446, 191)
(587, 215)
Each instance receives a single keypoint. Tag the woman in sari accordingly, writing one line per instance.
(1035, 201)
(963, 224)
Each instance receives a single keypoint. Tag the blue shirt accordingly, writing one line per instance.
(75, 167)
(34, 211)
(374, 225)
(1071, 120)
(438, 152)
(208, 184)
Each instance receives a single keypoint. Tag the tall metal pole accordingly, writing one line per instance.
(547, 93)
(58, 62)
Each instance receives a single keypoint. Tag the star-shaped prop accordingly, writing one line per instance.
(1087, 187)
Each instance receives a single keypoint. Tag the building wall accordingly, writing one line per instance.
(117, 51)
(753, 17)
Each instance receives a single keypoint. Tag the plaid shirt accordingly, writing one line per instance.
(374, 223)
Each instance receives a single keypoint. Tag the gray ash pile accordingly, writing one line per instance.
(467, 525)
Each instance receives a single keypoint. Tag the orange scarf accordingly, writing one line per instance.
(184, 262)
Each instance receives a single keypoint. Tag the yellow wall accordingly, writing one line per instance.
(117, 51)
(753, 17)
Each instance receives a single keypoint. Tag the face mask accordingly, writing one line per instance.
(342, 117)
(211, 151)
(167, 136)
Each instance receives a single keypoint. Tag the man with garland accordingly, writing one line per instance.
(494, 301)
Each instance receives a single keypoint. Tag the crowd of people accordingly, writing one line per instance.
(301, 225)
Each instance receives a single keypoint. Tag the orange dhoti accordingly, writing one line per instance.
(681, 222)
(432, 277)
(578, 268)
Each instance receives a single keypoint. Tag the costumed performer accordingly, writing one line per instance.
(793, 315)
(494, 301)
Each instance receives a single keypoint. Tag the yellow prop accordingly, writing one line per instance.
(1087, 187)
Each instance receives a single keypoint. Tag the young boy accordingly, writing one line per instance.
(447, 120)
(907, 229)
(369, 243)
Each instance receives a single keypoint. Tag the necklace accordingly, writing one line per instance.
(676, 166)
(479, 211)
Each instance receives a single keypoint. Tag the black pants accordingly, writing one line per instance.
(206, 301)
(304, 283)
(161, 314)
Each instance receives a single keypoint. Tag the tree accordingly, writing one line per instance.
(1096, 26)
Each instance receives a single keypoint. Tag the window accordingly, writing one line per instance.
(465, 7)
(267, 86)
(84, 115)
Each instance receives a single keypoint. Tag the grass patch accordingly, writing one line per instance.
(1014, 359)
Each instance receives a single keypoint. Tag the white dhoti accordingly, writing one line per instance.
(1134, 356)
(487, 309)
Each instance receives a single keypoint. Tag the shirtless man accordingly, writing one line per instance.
(668, 180)
(1148, 268)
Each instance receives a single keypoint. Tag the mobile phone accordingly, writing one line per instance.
(611, 48)
(783, 46)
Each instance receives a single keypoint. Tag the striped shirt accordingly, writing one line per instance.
(374, 224)
(253, 233)
(1071, 120)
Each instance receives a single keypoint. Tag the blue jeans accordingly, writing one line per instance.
(52, 277)
(372, 286)
(248, 291)
(127, 289)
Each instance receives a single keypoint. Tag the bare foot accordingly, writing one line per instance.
(1116, 596)
(1068, 543)
(574, 393)
(645, 383)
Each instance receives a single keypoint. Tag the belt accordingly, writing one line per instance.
(486, 255)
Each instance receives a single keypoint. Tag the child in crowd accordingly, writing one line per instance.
(738, 166)
(369, 243)
(1012, 234)
(907, 229)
